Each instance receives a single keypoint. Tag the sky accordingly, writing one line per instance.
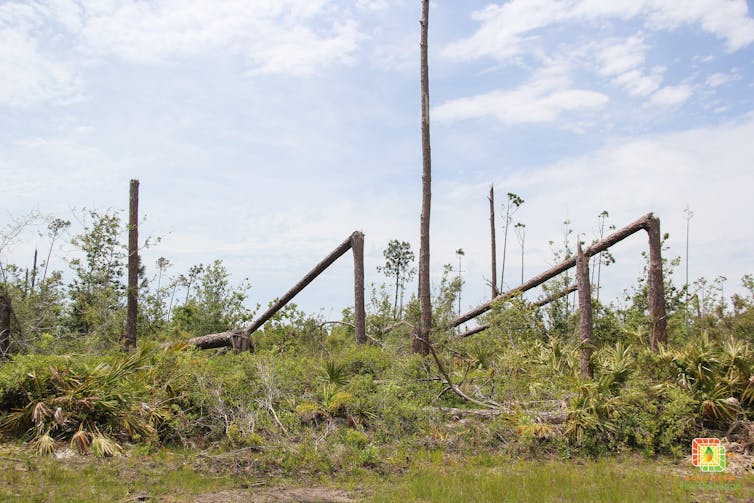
(263, 132)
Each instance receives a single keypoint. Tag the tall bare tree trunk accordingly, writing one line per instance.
(5, 317)
(656, 286)
(133, 264)
(359, 313)
(505, 245)
(424, 301)
(585, 311)
(493, 243)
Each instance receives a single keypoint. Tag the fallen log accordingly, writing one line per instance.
(539, 303)
(236, 339)
(225, 339)
(555, 296)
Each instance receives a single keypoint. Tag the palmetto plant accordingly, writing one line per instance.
(91, 407)
(334, 373)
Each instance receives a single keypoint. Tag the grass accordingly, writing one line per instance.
(624, 480)
(164, 476)
(433, 476)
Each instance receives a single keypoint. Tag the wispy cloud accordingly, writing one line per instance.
(31, 72)
(285, 36)
(671, 95)
(290, 37)
(508, 29)
(544, 98)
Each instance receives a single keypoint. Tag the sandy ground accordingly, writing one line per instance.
(304, 495)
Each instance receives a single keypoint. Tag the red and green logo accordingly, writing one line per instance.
(708, 454)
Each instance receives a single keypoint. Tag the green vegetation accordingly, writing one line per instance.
(312, 405)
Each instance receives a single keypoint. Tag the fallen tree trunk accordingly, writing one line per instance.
(224, 339)
(475, 330)
(539, 303)
(620, 235)
(555, 296)
(236, 339)
(548, 417)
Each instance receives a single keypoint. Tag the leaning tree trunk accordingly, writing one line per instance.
(421, 342)
(585, 312)
(133, 264)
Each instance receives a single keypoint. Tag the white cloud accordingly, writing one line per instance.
(622, 60)
(638, 84)
(719, 79)
(293, 37)
(543, 99)
(30, 74)
(671, 95)
(708, 168)
(284, 36)
(616, 58)
(507, 29)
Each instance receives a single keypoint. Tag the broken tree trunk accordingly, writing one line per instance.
(359, 313)
(225, 338)
(555, 296)
(475, 330)
(585, 312)
(656, 314)
(539, 303)
(6, 313)
(236, 339)
(655, 286)
(493, 243)
(133, 264)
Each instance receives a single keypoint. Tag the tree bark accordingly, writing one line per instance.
(226, 338)
(493, 243)
(655, 286)
(133, 264)
(555, 296)
(34, 271)
(236, 339)
(585, 312)
(359, 313)
(310, 276)
(617, 236)
(539, 303)
(5, 319)
(420, 343)
(475, 330)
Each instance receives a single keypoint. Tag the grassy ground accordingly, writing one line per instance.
(175, 476)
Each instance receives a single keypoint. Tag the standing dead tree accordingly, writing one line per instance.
(133, 264)
(585, 311)
(422, 340)
(241, 339)
(656, 294)
(493, 243)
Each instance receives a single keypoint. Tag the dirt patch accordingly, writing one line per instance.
(259, 495)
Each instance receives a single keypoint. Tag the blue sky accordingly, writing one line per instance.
(264, 132)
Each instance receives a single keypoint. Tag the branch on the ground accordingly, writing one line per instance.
(454, 388)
